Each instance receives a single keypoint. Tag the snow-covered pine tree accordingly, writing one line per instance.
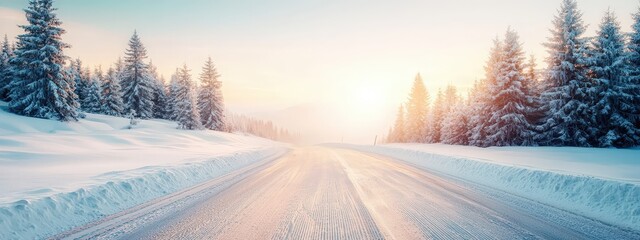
(159, 94)
(508, 124)
(5, 69)
(186, 110)
(111, 94)
(397, 133)
(536, 111)
(93, 101)
(81, 79)
(568, 121)
(455, 126)
(40, 86)
(435, 120)
(441, 108)
(417, 108)
(172, 98)
(633, 88)
(210, 99)
(137, 84)
(480, 98)
(612, 102)
(119, 70)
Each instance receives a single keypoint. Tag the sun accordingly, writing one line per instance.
(367, 97)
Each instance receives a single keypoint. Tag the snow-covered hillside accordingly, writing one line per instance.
(55, 175)
(602, 184)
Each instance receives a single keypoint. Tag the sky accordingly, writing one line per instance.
(351, 60)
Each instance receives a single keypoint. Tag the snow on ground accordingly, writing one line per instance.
(56, 175)
(602, 184)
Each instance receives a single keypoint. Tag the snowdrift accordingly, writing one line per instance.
(615, 202)
(55, 175)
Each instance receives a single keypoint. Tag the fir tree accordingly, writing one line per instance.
(93, 102)
(111, 94)
(437, 115)
(5, 69)
(210, 100)
(508, 124)
(417, 108)
(441, 109)
(159, 94)
(633, 88)
(455, 126)
(568, 121)
(481, 98)
(612, 101)
(137, 84)
(172, 96)
(40, 86)
(81, 79)
(532, 83)
(397, 133)
(185, 101)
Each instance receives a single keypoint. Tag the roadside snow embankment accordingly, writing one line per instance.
(55, 176)
(613, 197)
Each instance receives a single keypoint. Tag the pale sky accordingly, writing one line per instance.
(356, 57)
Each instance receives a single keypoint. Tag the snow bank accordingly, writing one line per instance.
(616, 202)
(55, 175)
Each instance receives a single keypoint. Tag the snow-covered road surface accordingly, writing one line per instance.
(325, 193)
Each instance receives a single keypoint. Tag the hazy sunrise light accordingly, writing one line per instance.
(332, 119)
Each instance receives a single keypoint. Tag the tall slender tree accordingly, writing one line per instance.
(93, 102)
(81, 79)
(438, 112)
(417, 108)
(137, 84)
(6, 54)
(634, 69)
(159, 94)
(612, 101)
(398, 131)
(210, 99)
(40, 86)
(568, 121)
(508, 124)
(455, 126)
(185, 101)
(481, 97)
(111, 94)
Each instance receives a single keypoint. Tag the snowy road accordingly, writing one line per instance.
(326, 193)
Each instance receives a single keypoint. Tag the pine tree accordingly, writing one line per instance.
(185, 106)
(441, 108)
(612, 101)
(455, 126)
(633, 88)
(417, 108)
(93, 102)
(111, 94)
(508, 124)
(568, 121)
(137, 84)
(532, 83)
(5, 69)
(481, 98)
(435, 121)
(159, 94)
(210, 99)
(172, 96)
(81, 79)
(41, 87)
(397, 133)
